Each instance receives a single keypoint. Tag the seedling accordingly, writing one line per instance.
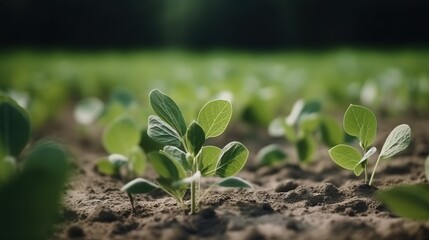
(184, 160)
(121, 139)
(304, 127)
(362, 124)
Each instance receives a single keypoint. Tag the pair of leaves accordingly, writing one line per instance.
(15, 127)
(350, 158)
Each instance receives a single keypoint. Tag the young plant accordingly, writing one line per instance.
(361, 123)
(304, 127)
(121, 139)
(185, 159)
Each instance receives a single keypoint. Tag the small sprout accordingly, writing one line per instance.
(304, 126)
(407, 201)
(362, 123)
(121, 139)
(270, 155)
(185, 159)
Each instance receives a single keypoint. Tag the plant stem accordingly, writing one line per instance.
(373, 171)
(193, 198)
(366, 173)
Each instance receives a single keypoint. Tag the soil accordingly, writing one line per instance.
(317, 201)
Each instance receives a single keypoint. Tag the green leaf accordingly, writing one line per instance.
(331, 131)
(15, 127)
(214, 117)
(306, 148)
(361, 123)
(176, 154)
(235, 182)
(172, 188)
(232, 159)
(88, 110)
(270, 155)
(407, 201)
(106, 167)
(139, 185)
(368, 154)
(427, 168)
(137, 161)
(168, 111)
(398, 140)
(195, 138)
(121, 135)
(208, 159)
(276, 127)
(346, 157)
(162, 133)
(167, 168)
(309, 123)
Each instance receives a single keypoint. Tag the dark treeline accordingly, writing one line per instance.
(250, 24)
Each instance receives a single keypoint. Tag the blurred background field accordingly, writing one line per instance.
(261, 55)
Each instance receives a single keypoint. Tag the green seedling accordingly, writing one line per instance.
(30, 189)
(362, 124)
(304, 127)
(121, 139)
(271, 155)
(185, 159)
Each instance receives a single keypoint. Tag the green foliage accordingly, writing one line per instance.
(121, 139)
(88, 110)
(15, 127)
(270, 155)
(304, 127)
(184, 159)
(362, 123)
(407, 201)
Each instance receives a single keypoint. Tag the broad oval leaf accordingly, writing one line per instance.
(167, 110)
(398, 140)
(361, 123)
(235, 182)
(306, 147)
(345, 156)
(139, 185)
(106, 167)
(121, 135)
(407, 201)
(176, 154)
(208, 159)
(166, 167)
(270, 155)
(88, 110)
(15, 127)
(232, 159)
(162, 133)
(195, 138)
(214, 117)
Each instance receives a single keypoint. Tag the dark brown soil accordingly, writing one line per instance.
(318, 201)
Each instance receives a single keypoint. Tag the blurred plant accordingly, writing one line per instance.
(30, 190)
(270, 155)
(304, 127)
(184, 158)
(121, 139)
(362, 123)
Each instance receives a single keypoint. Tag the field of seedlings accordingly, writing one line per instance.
(217, 145)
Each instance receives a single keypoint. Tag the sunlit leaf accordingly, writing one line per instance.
(398, 140)
(176, 154)
(407, 201)
(121, 135)
(346, 157)
(168, 111)
(234, 182)
(232, 159)
(214, 117)
(139, 185)
(162, 133)
(195, 138)
(361, 123)
(208, 159)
